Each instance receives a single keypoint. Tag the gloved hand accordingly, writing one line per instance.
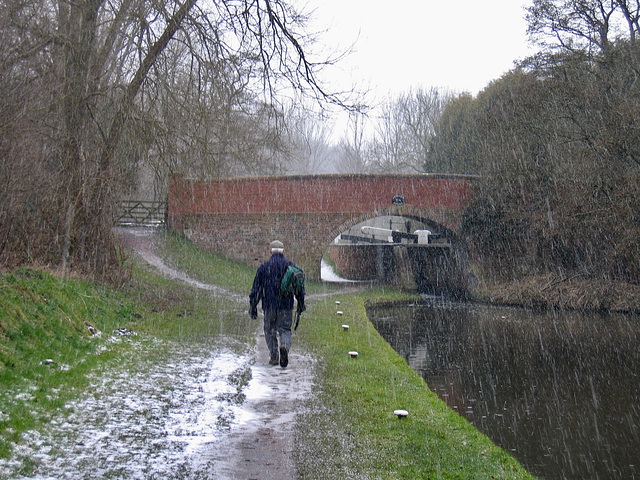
(301, 308)
(253, 311)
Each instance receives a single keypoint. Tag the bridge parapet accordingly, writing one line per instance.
(238, 217)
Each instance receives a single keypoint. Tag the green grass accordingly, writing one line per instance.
(214, 269)
(181, 312)
(348, 429)
(43, 317)
(46, 347)
(206, 267)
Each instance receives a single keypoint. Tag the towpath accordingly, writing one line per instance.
(261, 445)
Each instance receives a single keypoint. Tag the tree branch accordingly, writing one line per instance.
(120, 119)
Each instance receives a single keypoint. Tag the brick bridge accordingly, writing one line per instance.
(238, 217)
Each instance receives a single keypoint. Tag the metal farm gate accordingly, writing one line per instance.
(141, 213)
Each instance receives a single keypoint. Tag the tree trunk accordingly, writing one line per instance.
(78, 28)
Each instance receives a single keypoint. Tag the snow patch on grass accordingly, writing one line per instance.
(156, 420)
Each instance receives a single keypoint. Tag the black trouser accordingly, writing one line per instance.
(277, 322)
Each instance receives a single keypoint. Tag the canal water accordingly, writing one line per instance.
(559, 390)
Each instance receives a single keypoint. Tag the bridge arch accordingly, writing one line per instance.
(408, 211)
(443, 266)
(238, 217)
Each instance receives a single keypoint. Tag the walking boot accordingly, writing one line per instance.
(274, 360)
(284, 356)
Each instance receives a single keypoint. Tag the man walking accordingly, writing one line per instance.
(277, 307)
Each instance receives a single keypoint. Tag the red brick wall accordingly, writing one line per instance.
(320, 193)
(246, 238)
(238, 217)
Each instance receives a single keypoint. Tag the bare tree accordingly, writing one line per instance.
(309, 149)
(405, 131)
(211, 124)
(591, 25)
(421, 111)
(352, 150)
(631, 12)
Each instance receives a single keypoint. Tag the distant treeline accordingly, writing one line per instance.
(557, 145)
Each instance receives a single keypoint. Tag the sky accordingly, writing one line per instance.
(457, 45)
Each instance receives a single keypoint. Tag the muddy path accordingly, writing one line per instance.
(202, 409)
(262, 448)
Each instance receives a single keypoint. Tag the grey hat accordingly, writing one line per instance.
(277, 245)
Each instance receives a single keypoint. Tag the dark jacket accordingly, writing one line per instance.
(266, 285)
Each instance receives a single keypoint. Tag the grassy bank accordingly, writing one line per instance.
(50, 338)
(348, 430)
(56, 334)
(555, 291)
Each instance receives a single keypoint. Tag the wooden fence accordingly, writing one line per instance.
(142, 213)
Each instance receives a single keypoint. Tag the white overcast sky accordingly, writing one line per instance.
(459, 45)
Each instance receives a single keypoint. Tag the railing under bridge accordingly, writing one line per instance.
(141, 213)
